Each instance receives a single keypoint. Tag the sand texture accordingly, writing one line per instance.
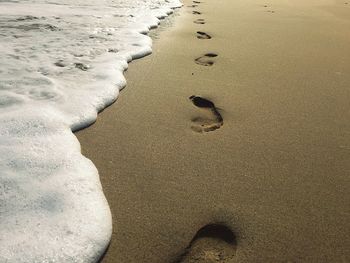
(255, 166)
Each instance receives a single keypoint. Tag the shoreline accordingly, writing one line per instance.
(272, 173)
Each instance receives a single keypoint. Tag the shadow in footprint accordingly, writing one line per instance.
(192, 5)
(203, 35)
(206, 60)
(210, 118)
(199, 21)
(212, 243)
(196, 13)
(196, 2)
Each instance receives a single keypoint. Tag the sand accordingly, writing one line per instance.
(273, 176)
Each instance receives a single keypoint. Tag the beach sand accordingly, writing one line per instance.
(270, 181)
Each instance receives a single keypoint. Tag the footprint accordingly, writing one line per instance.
(192, 5)
(203, 35)
(269, 11)
(212, 243)
(196, 13)
(199, 21)
(210, 118)
(206, 60)
(196, 2)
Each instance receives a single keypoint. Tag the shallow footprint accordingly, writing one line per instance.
(212, 243)
(210, 119)
(203, 35)
(199, 21)
(196, 13)
(206, 60)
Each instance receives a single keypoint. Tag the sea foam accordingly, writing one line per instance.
(61, 62)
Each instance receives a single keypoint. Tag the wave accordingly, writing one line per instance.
(61, 63)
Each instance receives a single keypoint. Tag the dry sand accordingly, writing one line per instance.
(276, 172)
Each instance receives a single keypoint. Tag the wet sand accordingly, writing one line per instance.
(271, 177)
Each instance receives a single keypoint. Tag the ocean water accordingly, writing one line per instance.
(61, 62)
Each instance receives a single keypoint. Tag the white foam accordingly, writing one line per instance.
(61, 62)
